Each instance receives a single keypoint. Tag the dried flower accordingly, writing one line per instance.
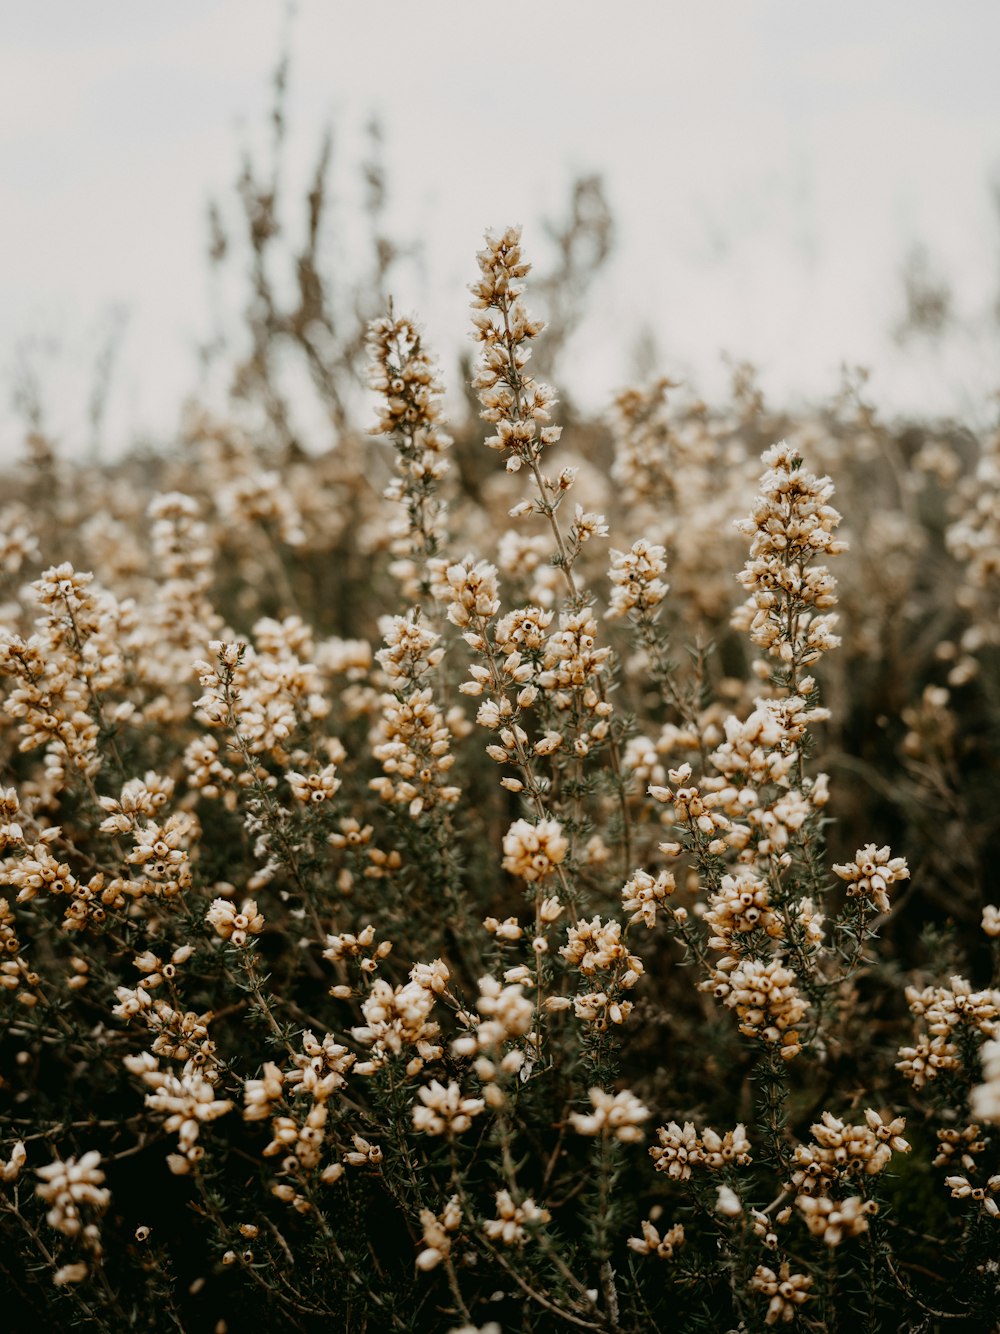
(653, 1243)
(787, 612)
(871, 873)
(635, 579)
(512, 1220)
(785, 1289)
(616, 1114)
(69, 1186)
(437, 1233)
(443, 1111)
(533, 851)
(512, 401)
(233, 924)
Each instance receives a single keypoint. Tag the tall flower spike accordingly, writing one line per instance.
(788, 610)
(411, 738)
(636, 586)
(517, 405)
(404, 376)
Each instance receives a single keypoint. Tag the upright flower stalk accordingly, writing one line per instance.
(404, 376)
(788, 612)
(521, 410)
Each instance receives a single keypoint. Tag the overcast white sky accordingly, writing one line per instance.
(769, 162)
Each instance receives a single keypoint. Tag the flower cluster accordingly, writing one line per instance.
(70, 1186)
(636, 586)
(442, 1110)
(871, 873)
(235, 924)
(842, 1151)
(518, 407)
(741, 904)
(507, 1014)
(682, 1148)
(833, 1220)
(615, 1115)
(403, 375)
(411, 739)
(513, 1221)
(653, 1242)
(644, 894)
(785, 1290)
(534, 851)
(438, 1232)
(64, 670)
(397, 1018)
(187, 1101)
(985, 1097)
(766, 998)
(788, 608)
(947, 1012)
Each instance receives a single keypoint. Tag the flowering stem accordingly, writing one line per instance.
(270, 811)
(255, 985)
(565, 562)
(50, 1259)
(545, 1302)
(96, 708)
(532, 785)
(772, 1087)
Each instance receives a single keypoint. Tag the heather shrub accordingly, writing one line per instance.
(531, 884)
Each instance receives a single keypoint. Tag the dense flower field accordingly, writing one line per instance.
(534, 882)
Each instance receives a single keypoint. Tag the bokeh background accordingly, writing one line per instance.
(777, 174)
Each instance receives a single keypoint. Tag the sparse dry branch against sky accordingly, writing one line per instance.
(772, 168)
